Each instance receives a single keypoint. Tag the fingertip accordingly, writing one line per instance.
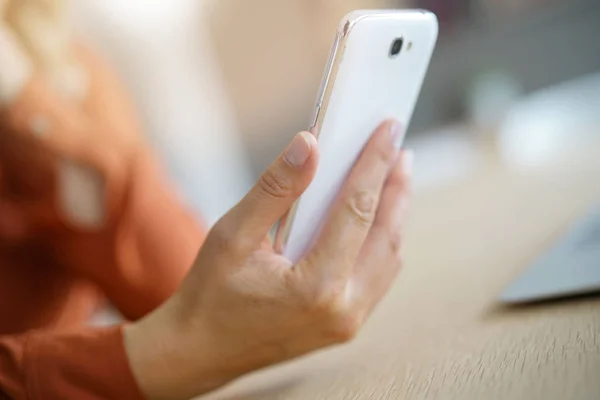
(299, 150)
(314, 148)
(391, 127)
(305, 160)
(311, 139)
(401, 173)
(387, 138)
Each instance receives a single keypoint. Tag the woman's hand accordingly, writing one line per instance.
(244, 307)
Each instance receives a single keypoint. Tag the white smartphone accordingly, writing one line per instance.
(375, 71)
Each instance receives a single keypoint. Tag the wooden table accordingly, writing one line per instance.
(440, 333)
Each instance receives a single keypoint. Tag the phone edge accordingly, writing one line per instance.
(319, 110)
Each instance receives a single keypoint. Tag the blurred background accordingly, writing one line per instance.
(506, 135)
(223, 85)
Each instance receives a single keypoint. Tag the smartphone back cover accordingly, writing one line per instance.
(369, 87)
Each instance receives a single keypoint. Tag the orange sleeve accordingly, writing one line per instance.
(86, 365)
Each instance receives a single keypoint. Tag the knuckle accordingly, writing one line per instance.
(340, 324)
(329, 308)
(345, 326)
(363, 205)
(327, 304)
(274, 185)
(324, 300)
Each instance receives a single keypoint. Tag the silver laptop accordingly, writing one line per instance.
(570, 268)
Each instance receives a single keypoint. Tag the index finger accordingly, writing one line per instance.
(352, 216)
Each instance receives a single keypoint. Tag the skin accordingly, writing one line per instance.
(244, 307)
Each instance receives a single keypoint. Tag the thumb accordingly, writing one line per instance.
(275, 192)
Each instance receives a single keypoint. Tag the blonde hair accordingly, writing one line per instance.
(43, 29)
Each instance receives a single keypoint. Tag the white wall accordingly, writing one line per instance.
(163, 53)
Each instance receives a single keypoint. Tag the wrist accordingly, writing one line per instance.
(168, 360)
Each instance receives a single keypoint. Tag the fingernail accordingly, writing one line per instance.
(396, 132)
(408, 158)
(299, 150)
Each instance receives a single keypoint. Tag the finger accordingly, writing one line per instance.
(274, 193)
(380, 258)
(354, 211)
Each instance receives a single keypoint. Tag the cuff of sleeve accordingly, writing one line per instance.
(89, 365)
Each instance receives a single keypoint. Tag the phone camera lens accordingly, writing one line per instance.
(396, 47)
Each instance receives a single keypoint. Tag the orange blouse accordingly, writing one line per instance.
(49, 290)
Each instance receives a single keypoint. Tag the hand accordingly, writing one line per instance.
(244, 307)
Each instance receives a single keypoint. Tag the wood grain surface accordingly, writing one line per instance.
(440, 333)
